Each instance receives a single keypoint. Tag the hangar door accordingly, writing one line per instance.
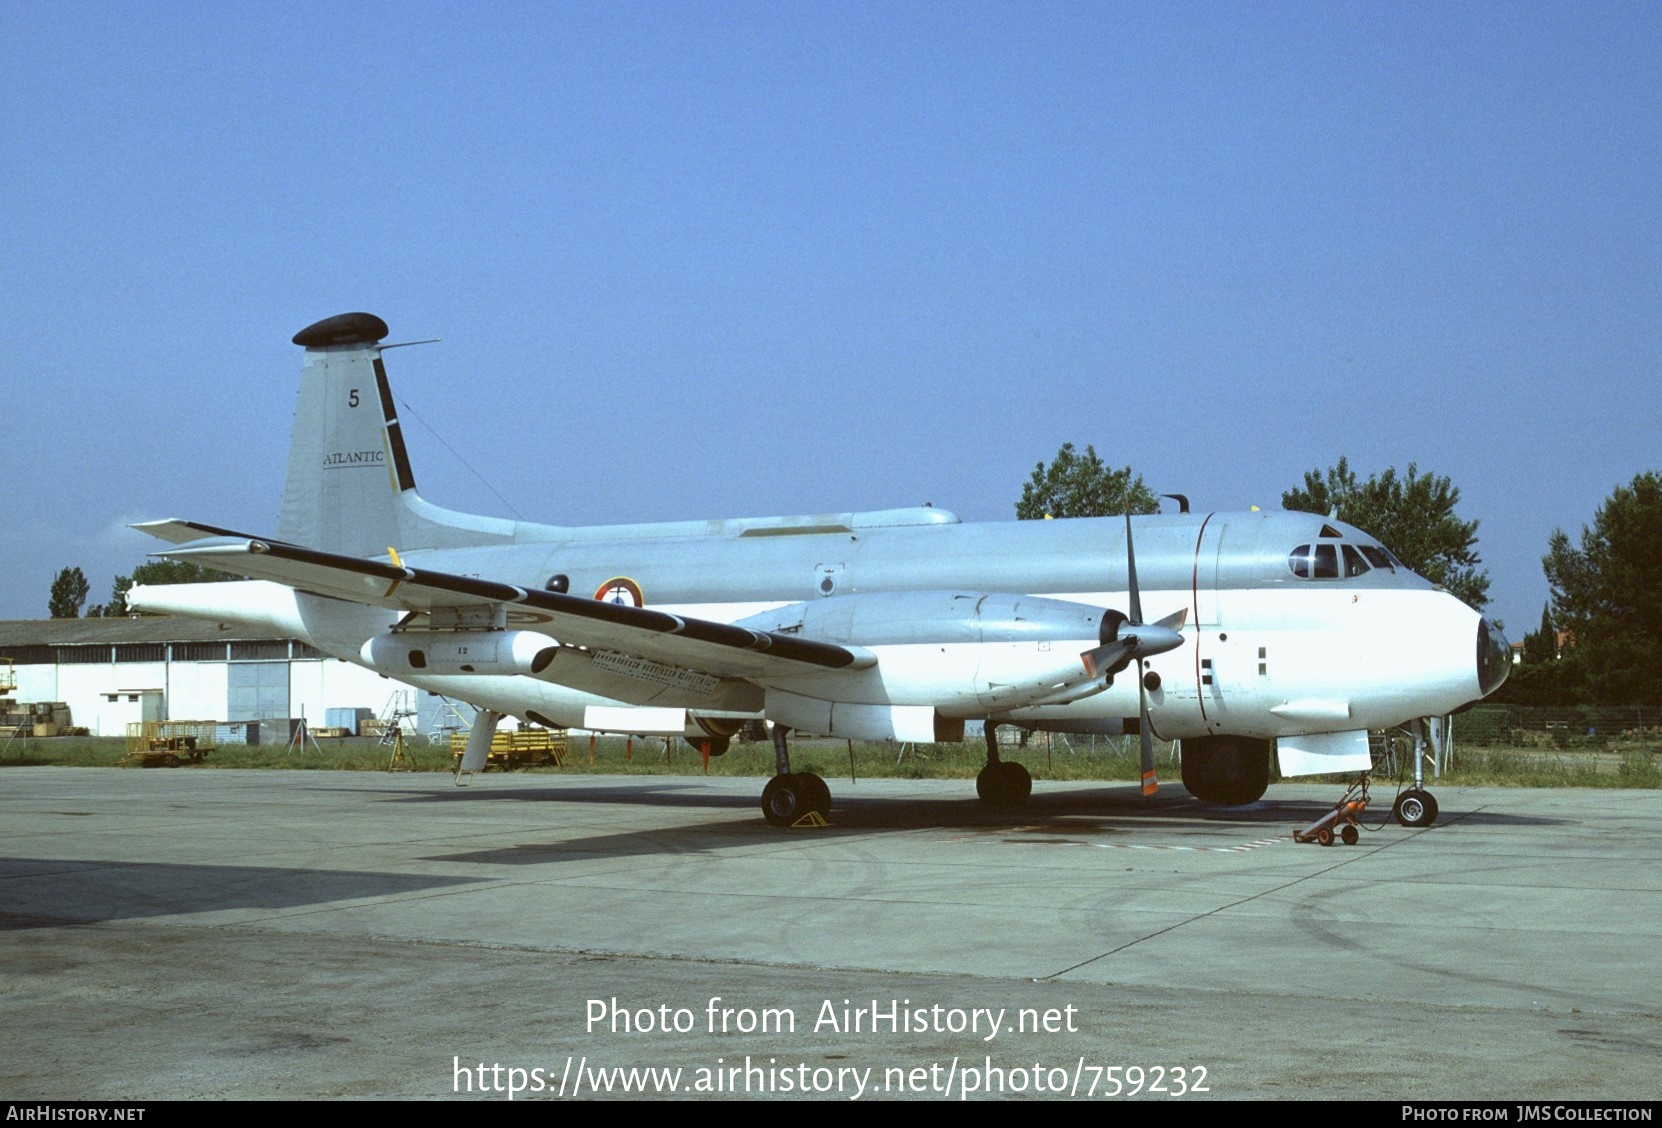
(257, 691)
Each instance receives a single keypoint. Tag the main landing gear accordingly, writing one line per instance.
(791, 796)
(1229, 771)
(1002, 783)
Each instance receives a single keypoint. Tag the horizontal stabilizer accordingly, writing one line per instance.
(175, 531)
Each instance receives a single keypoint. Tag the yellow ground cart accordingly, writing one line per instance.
(167, 744)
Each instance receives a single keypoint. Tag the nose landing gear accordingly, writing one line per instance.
(1415, 807)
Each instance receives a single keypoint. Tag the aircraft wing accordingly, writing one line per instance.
(695, 644)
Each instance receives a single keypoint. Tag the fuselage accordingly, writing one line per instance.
(1292, 623)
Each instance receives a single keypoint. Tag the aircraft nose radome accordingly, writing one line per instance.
(1494, 657)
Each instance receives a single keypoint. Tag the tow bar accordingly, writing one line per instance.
(1341, 821)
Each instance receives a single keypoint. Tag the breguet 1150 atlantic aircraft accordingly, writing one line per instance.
(1241, 634)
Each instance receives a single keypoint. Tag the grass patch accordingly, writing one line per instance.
(1108, 759)
(1077, 758)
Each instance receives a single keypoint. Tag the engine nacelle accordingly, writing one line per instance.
(458, 652)
(911, 617)
(852, 721)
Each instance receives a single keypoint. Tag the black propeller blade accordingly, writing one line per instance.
(1126, 638)
(1151, 784)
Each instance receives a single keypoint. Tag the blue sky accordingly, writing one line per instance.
(739, 259)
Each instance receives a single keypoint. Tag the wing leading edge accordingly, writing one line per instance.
(696, 644)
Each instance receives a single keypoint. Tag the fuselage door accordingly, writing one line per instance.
(1175, 705)
(1213, 654)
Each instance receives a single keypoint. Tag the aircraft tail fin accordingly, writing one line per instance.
(347, 463)
(350, 488)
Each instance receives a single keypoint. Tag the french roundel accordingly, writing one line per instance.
(621, 589)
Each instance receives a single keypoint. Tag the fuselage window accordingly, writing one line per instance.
(1299, 561)
(1354, 564)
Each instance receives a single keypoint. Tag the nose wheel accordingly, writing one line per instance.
(1415, 807)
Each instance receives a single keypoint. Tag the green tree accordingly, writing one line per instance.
(1607, 594)
(69, 591)
(1542, 677)
(1413, 516)
(1540, 646)
(153, 572)
(1076, 485)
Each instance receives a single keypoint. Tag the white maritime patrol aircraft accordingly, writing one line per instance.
(1266, 631)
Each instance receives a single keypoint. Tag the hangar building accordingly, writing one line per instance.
(111, 672)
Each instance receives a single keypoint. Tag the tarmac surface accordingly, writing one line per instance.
(248, 934)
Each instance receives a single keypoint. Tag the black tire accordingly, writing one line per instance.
(1018, 784)
(1228, 771)
(783, 799)
(1348, 834)
(1004, 784)
(1324, 836)
(1415, 808)
(171, 761)
(817, 791)
(987, 783)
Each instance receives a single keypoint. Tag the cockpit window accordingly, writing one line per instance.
(1378, 557)
(1325, 561)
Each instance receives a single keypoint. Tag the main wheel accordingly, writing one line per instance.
(1415, 808)
(1004, 784)
(817, 792)
(1230, 771)
(987, 782)
(784, 799)
(1018, 784)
